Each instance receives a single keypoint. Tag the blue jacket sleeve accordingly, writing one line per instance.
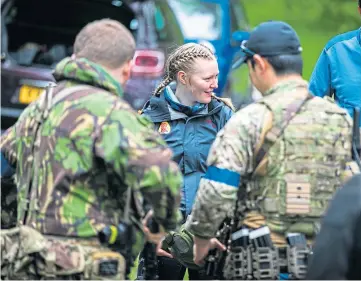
(6, 169)
(320, 81)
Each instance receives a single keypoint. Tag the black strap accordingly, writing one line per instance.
(238, 213)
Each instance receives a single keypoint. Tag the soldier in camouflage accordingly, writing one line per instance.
(81, 154)
(287, 153)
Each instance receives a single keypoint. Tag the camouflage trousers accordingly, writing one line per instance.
(28, 255)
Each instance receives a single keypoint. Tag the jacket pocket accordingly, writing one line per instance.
(60, 259)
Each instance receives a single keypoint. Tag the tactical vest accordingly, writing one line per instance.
(301, 159)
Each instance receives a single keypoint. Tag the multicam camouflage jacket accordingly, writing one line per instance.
(293, 183)
(91, 148)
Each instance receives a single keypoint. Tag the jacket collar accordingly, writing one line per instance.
(158, 109)
(287, 86)
(83, 71)
(176, 105)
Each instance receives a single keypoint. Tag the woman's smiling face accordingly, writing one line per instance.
(203, 79)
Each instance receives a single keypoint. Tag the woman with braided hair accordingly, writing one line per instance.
(188, 115)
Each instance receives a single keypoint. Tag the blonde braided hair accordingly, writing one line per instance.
(182, 59)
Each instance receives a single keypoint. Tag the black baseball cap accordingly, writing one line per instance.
(271, 38)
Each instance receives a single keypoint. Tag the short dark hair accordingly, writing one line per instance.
(286, 64)
(359, 3)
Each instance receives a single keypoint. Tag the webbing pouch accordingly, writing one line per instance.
(297, 261)
(180, 245)
(265, 264)
(238, 265)
(59, 258)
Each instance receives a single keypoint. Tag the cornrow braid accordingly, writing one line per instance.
(209, 50)
(181, 59)
(164, 83)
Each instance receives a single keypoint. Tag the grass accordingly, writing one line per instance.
(312, 40)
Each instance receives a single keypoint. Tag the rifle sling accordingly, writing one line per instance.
(278, 128)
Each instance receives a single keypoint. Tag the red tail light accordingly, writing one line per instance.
(148, 63)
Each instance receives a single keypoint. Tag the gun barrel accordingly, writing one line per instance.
(150, 254)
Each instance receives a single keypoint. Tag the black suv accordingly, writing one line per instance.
(37, 34)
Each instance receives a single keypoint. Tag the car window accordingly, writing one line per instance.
(42, 32)
(166, 24)
(4, 37)
(198, 19)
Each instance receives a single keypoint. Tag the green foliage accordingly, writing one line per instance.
(333, 16)
(316, 22)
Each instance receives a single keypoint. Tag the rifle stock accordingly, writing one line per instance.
(215, 259)
(150, 254)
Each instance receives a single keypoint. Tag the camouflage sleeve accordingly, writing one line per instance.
(142, 160)
(8, 148)
(230, 157)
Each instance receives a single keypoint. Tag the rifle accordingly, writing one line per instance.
(215, 259)
(121, 238)
(356, 143)
(150, 254)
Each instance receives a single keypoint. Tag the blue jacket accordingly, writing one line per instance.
(190, 139)
(338, 70)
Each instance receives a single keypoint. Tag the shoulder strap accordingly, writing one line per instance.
(126, 215)
(277, 128)
(50, 101)
(67, 92)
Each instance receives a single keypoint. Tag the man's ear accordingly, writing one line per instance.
(181, 77)
(260, 63)
(126, 70)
